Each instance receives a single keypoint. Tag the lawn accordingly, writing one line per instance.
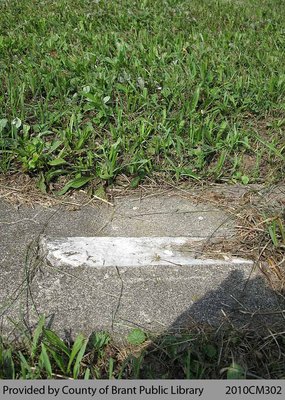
(91, 90)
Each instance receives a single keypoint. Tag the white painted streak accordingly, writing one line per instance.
(127, 252)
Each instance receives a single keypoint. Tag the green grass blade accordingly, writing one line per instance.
(45, 361)
(53, 340)
(78, 360)
(87, 374)
(75, 184)
(79, 342)
(111, 368)
(7, 367)
(36, 336)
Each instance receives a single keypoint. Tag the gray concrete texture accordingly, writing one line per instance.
(156, 298)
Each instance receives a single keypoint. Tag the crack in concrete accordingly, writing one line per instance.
(119, 300)
(167, 212)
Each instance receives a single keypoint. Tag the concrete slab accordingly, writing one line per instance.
(119, 297)
(157, 298)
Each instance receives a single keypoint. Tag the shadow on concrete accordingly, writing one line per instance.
(227, 325)
(236, 303)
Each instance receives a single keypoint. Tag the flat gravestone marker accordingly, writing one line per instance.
(158, 283)
(139, 263)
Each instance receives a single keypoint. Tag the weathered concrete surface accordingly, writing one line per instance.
(116, 297)
(119, 297)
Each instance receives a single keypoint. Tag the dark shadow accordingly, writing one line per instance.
(237, 302)
(237, 322)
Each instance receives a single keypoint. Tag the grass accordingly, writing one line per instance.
(181, 89)
(193, 355)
